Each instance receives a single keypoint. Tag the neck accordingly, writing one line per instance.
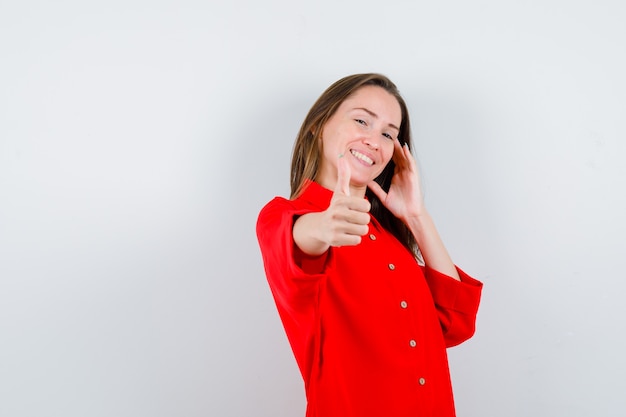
(355, 191)
(358, 191)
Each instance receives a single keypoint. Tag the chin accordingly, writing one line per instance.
(359, 184)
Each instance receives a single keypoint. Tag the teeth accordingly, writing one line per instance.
(362, 157)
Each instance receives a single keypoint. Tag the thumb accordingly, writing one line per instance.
(378, 191)
(343, 176)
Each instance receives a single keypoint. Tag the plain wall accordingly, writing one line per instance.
(139, 139)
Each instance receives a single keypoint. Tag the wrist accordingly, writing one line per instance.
(305, 235)
(418, 215)
(418, 222)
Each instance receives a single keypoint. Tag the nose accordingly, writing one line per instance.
(371, 142)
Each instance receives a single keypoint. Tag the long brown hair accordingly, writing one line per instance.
(307, 151)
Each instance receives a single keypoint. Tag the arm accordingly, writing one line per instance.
(433, 250)
(456, 303)
(341, 224)
(405, 201)
(456, 295)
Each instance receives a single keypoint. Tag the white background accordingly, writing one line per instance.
(139, 139)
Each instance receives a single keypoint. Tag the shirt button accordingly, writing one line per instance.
(392, 266)
(403, 304)
(372, 236)
(412, 343)
(422, 381)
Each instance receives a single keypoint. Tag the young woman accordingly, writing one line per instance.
(364, 286)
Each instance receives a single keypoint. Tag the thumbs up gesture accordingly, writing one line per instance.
(342, 224)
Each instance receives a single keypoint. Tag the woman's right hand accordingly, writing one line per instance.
(342, 224)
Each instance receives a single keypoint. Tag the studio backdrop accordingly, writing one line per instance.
(139, 140)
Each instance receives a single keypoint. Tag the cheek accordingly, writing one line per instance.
(387, 152)
(329, 137)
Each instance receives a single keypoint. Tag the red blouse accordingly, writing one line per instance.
(368, 326)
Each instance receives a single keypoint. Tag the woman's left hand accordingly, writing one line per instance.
(404, 198)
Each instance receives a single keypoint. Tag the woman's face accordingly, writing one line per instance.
(363, 130)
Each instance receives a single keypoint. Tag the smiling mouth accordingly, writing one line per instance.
(360, 156)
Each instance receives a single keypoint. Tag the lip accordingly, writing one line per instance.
(362, 154)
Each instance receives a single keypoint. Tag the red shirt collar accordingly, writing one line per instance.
(315, 194)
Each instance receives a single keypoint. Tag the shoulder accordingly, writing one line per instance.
(313, 198)
(278, 204)
(275, 212)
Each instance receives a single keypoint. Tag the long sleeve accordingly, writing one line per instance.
(282, 258)
(456, 303)
(367, 325)
(293, 277)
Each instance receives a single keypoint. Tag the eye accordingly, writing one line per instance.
(361, 122)
(388, 136)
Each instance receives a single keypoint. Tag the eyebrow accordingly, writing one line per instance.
(371, 113)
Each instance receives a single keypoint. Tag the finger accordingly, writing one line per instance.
(352, 229)
(410, 159)
(403, 158)
(343, 176)
(377, 190)
(407, 151)
(358, 204)
(349, 235)
(357, 218)
(356, 230)
(346, 240)
(399, 155)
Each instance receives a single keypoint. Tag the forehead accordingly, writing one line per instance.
(375, 99)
